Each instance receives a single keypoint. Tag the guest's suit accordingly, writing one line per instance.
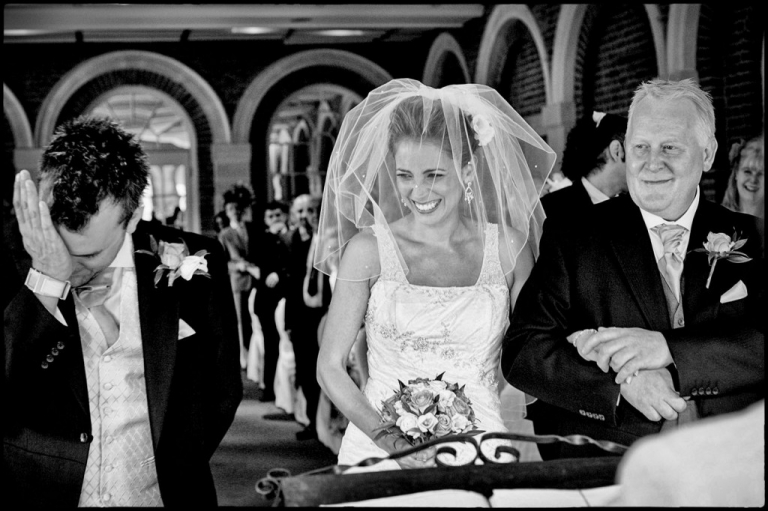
(193, 384)
(568, 202)
(605, 274)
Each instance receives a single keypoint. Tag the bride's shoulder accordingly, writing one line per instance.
(361, 257)
(518, 256)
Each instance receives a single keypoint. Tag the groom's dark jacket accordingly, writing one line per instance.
(602, 272)
(193, 385)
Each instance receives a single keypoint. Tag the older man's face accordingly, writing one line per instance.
(665, 158)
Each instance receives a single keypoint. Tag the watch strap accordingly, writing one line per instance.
(41, 284)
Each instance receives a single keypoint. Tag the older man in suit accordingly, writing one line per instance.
(120, 381)
(623, 328)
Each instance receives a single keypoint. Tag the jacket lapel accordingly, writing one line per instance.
(159, 317)
(696, 297)
(77, 379)
(633, 249)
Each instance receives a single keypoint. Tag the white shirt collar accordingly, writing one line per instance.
(124, 258)
(686, 220)
(594, 193)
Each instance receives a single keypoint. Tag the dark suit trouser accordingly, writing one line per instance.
(265, 310)
(306, 349)
(245, 319)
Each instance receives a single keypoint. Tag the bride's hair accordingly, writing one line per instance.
(407, 121)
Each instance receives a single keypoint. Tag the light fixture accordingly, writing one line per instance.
(14, 32)
(341, 33)
(251, 30)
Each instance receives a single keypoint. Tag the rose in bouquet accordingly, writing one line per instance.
(427, 409)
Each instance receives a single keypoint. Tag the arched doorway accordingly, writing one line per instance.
(166, 133)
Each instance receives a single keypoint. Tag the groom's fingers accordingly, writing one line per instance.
(603, 335)
(628, 369)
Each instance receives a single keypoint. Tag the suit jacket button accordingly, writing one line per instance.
(701, 391)
(708, 391)
(715, 391)
(60, 345)
(54, 352)
(49, 358)
(44, 365)
(83, 438)
(694, 392)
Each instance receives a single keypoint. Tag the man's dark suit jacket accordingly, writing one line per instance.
(193, 384)
(568, 202)
(605, 274)
(270, 253)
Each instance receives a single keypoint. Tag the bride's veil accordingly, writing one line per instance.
(510, 162)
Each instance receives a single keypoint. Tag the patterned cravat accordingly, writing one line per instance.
(671, 264)
(94, 294)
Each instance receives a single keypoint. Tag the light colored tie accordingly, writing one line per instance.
(671, 264)
(94, 294)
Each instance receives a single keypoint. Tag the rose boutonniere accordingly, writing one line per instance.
(176, 262)
(721, 246)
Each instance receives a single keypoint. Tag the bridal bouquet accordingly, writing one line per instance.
(427, 409)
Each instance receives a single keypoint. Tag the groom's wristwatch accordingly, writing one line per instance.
(42, 284)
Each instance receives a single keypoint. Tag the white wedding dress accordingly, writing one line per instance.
(422, 331)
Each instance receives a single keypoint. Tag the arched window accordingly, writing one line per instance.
(164, 131)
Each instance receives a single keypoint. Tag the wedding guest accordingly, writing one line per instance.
(302, 321)
(220, 221)
(718, 462)
(270, 254)
(237, 205)
(746, 185)
(431, 215)
(627, 327)
(118, 388)
(593, 160)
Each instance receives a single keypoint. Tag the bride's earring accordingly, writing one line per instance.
(468, 195)
(405, 202)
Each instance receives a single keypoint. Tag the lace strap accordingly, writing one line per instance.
(491, 272)
(390, 263)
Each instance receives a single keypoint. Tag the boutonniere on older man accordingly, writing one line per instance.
(721, 246)
(176, 262)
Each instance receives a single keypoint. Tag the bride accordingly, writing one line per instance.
(431, 220)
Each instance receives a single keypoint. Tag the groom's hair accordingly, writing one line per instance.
(87, 161)
(666, 90)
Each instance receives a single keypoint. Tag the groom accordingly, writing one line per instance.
(119, 385)
(619, 332)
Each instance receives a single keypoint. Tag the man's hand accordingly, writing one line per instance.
(41, 239)
(625, 350)
(653, 394)
(255, 271)
(272, 280)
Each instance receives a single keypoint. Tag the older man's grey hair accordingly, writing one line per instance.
(667, 90)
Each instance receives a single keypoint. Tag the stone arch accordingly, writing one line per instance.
(443, 45)
(254, 94)
(17, 118)
(659, 38)
(564, 54)
(161, 65)
(500, 19)
(682, 38)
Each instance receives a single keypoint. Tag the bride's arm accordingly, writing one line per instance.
(346, 313)
(517, 271)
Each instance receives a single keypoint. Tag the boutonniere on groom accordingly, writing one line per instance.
(721, 246)
(175, 261)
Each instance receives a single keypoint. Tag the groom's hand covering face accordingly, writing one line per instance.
(667, 151)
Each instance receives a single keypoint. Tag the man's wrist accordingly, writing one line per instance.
(45, 285)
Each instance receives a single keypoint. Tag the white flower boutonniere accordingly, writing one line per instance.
(176, 262)
(484, 131)
(721, 246)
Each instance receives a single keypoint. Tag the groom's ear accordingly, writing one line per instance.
(616, 151)
(134, 221)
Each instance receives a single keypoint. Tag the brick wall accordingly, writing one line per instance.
(621, 55)
(522, 77)
(546, 16)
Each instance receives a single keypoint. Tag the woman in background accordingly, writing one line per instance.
(746, 187)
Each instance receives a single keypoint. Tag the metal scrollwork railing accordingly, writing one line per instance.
(446, 455)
